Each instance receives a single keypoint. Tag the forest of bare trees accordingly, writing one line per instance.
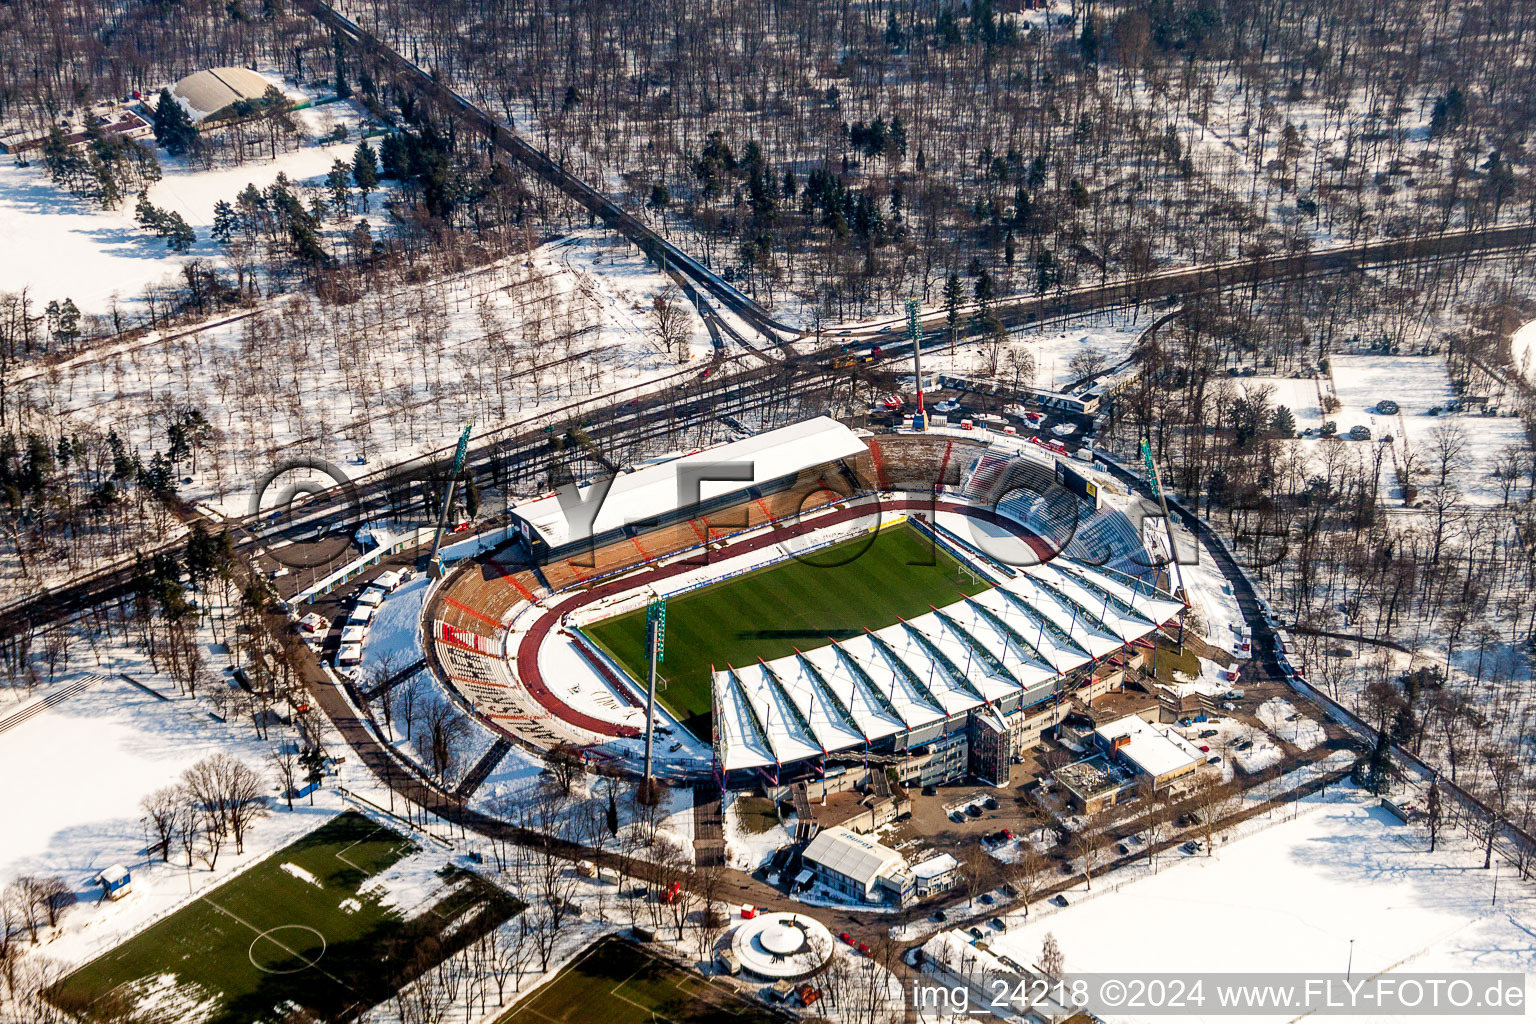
(853, 153)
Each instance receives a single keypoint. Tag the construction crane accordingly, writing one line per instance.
(433, 561)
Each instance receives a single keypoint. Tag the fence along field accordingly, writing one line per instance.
(302, 929)
(617, 982)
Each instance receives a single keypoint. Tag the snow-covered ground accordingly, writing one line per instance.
(1292, 896)
(58, 247)
(1301, 395)
(78, 772)
(1281, 718)
(393, 640)
(1521, 345)
(1417, 384)
(747, 850)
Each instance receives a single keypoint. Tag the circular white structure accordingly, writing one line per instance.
(782, 945)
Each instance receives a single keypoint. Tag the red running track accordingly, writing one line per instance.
(532, 677)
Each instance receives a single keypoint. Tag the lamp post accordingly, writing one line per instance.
(1350, 969)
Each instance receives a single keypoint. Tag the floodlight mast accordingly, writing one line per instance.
(650, 698)
(915, 332)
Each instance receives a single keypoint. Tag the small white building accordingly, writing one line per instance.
(935, 875)
(858, 867)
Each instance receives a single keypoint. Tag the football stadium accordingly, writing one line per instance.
(933, 600)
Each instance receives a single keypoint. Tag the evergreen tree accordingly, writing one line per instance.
(1283, 422)
(343, 90)
(365, 170)
(952, 294)
(1434, 814)
(174, 130)
(338, 182)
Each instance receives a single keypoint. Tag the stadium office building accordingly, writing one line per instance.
(958, 690)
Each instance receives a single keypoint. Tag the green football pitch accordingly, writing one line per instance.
(299, 936)
(835, 593)
(618, 982)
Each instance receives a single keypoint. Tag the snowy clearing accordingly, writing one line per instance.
(1293, 896)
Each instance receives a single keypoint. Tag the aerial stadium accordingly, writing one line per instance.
(929, 600)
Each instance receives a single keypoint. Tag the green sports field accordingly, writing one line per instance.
(299, 936)
(838, 592)
(618, 982)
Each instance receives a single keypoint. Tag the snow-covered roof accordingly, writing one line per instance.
(115, 873)
(644, 494)
(387, 580)
(1019, 637)
(1153, 749)
(935, 867)
(854, 856)
(203, 93)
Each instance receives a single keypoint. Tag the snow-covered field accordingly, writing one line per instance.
(1417, 384)
(1292, 897)
(1298, 394)
(77, 774)
(58, 247)
(747, 850)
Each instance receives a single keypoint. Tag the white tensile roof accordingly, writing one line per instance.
(1021, 635)
(645, 493)
(854, 856)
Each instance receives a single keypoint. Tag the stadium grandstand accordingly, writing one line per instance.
(673, 490)
(999, 654)
(1041, 599)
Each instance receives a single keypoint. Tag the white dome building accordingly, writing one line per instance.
(782, 946)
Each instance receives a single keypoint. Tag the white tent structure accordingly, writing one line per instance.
(1019, 638)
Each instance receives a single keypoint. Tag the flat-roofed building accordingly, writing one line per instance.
(858, 867)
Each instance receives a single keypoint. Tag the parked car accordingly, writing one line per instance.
(1060, 899)
(973, 811)
(930, 791)
(940, 916)
(1206, 734)
(987, 898)
(997, 923)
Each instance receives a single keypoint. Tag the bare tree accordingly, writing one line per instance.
(668, 318)
(162, 811)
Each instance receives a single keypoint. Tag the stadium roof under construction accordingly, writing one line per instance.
(649, 492)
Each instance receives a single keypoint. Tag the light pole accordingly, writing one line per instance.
(1350, 969)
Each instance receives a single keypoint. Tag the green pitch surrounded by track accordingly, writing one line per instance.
(838, 592)
(298, 936)
(618, 982)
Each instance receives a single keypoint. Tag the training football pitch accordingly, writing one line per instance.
(834, 593)
(618, 982)
(299, 936)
